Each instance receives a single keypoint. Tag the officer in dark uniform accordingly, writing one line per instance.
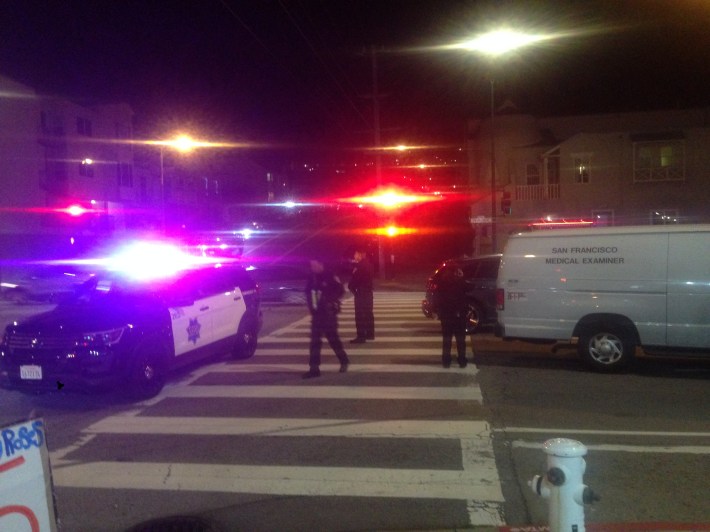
(451, 307)
(323, 293)
(361, 286)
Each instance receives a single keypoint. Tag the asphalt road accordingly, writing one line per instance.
(398, 443)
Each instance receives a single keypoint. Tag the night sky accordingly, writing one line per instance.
(299, 72)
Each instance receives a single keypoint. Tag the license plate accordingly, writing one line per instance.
(31, 373)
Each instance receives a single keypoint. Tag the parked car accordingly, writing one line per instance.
(281, 283)
(46, 283)
(480, 274)
(120, 331)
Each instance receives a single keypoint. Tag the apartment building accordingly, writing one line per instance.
(609, 169)
(55, 154)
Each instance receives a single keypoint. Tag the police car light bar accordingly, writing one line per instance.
(153, 260)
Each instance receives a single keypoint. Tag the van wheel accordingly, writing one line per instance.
(474, 315)
(606, 349)
(245, 345)
(148, 371)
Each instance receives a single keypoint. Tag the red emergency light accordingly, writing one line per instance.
(391, 198)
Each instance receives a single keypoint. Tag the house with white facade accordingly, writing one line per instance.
(611, 169)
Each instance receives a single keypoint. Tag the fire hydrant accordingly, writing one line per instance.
(562, 484)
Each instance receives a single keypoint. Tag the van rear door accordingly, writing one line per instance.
(689, 290)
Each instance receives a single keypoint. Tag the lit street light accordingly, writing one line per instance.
(495, 44)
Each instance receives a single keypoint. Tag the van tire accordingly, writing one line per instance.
(148, 371)
(606, 349)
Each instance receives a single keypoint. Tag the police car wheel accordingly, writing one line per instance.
(245, 345)
(606, 348)
(149, 370)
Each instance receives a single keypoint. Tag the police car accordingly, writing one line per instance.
(120, 331)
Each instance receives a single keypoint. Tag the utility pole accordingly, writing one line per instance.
(378, 150)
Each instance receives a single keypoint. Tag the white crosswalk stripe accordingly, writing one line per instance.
(403, 335)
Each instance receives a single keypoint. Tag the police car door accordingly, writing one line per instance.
(228, 305)
(191, 322)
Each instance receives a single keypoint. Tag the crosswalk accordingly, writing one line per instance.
(391, 397)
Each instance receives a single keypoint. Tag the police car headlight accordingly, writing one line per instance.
(104, 338)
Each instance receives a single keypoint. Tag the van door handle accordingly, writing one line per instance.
(237, 298)
(204, 308)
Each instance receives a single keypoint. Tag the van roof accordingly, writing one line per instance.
(617, 230)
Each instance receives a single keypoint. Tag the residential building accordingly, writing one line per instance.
(610, 169)
(56, 154)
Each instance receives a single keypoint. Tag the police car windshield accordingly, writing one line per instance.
(107, 287)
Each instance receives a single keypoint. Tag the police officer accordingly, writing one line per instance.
(361, 286)
(323, 293)
(451, 307)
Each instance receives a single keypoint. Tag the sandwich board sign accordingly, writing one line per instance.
(26, 500)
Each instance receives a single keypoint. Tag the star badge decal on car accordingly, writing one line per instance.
(193, 331)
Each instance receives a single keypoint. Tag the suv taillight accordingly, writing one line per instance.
(500, 299)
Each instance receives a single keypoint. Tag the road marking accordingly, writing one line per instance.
(226, 367)
(542, 430)
(283, 480)
(665, 449)
(302, 349)
(458, 393)
(304, 336)
(475, 432)
(477, 484)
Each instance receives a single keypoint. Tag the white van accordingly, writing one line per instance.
(609, 290)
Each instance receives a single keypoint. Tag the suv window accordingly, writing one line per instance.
(207, 282)
(469, 270)
(488, 269)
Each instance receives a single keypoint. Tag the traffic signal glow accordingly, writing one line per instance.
(390, 199)
(392, 231)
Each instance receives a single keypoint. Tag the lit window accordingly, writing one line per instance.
(603, 217)
(659, 161)
(582, 168)
(86, 168)
(664, 217)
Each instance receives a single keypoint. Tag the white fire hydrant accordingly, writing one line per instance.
(562, 484)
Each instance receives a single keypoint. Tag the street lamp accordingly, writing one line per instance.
(495, 44)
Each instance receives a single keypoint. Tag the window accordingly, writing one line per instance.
(83, 127)
(86, 168)
(603, 218)
(552, 166)
(124, 174)
(532, 174)
(488, 269)
(659, 161)
(664, 217)
(582, 168)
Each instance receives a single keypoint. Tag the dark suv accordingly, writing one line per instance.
(480, 274)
